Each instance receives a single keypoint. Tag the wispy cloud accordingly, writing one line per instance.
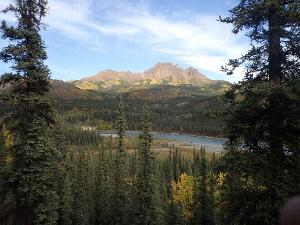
(201, 41)
(69, 17)
(194, 39)
(77, 20)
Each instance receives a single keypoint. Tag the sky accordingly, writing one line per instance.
(87, 36)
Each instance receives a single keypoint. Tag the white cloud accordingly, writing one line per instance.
(194, 39)
(68, 17)
(197, 40)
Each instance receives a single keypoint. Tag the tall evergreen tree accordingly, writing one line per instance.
(66, 176)
(30, 179)
(262, 121)
(121, 169)
(147, 211)
(81, 214)
(203, 211)
(103, 187)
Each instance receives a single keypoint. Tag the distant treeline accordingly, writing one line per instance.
(188, 115)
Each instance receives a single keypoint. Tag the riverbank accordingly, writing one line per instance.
(177, 140)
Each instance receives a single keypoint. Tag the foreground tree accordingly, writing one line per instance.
(263, 111)
(147, 209)
(203, 211)
(184, 192)
(30, 185)
(81, 214)
(121, 175)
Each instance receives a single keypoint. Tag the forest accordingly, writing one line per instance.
(186, 115)
(54, 173)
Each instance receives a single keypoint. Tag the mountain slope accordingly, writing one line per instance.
(62, 90)
(65, 91)
(166, 92)
(161, 74)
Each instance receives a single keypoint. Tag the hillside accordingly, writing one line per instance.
(165, 92)
(162, 82)
(65, 91)
(62, 90)
(162, 74)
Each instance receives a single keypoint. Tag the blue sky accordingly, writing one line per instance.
(87, 36)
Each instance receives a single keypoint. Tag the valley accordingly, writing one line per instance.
(109, 113)
(181, 101)
(183, 107)
(190, 105)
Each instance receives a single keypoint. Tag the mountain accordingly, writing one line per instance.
(161, 82)
(162, 74)
(166, 92)
(64, 91)
(174, 75)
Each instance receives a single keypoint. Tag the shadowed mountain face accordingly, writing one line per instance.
(160, 74)
(64, 91)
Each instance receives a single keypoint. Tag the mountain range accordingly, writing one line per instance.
(163, 81)
(162, 74)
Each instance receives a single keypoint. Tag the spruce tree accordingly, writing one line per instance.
(176, 161)
(262, 113)
(66, 174)
(64, 177)
(31, 176)
(81, 214)
(104, 185)
(146, 202)
(121, 169)
(203, 211)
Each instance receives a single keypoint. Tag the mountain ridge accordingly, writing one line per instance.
(160, 74)
(62, 90)
(163, 81)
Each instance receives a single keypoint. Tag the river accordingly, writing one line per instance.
(185, 140)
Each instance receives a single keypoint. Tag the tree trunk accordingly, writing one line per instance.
(275, 76)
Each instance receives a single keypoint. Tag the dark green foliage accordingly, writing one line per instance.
(78, 137)
(203, 212)
(273, 28)
(81, 214)
(103, 185)
(147, 208)
(121, 126)
(173, 214)
(65, 176)
(262, 113)
(30, 184)
(190, 115)
(73, 176)
(121, 196)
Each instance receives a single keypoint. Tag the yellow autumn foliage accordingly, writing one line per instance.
(220, 179)
(248, 183)
(7, 139)
(184, 194)
(7, 136)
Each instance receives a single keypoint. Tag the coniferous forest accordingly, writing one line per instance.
(53, 172)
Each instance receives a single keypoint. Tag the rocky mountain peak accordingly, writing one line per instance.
(161, 73)
(173, 71)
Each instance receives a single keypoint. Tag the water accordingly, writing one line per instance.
(184, 140)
